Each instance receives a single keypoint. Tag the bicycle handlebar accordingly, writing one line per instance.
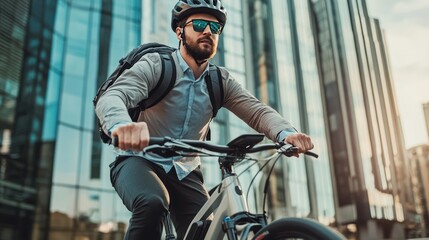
(288, 151)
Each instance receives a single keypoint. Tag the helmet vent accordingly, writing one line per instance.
(215, 2)
(196, 2)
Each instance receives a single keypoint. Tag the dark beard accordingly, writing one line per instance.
(198, 53)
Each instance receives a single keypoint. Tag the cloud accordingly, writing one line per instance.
(406, 26)
(411, 97)
(411, 6)
(408, 48)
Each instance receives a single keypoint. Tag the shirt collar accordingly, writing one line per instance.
(185, 67)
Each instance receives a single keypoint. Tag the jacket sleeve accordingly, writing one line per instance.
(256, 114)
(128, 90)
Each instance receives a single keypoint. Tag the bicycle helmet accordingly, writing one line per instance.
(185, 8)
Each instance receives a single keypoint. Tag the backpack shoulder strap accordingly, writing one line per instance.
(165, 83)
(215, 88)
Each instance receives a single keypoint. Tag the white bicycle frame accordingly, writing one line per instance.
(225, 201)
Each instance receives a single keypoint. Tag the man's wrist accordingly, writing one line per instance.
(282, 135)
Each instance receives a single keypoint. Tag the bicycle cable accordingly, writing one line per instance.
(266, 185)
(269, 158)
(260, 170)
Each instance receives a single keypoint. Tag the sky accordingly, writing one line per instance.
(406, 27)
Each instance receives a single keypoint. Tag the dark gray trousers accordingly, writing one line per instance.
(149, 192)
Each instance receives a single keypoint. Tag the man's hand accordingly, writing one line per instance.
(132, 136)
(301, 141)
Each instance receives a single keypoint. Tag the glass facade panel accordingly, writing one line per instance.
(67, 155)
(89, 171)
(63, 200)
(298, 187)
(71, 100)
(57, 56)
(285, 62)
(51, 106)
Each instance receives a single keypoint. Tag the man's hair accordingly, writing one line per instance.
(182, 22)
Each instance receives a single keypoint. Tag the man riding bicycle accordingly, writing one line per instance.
(150, 185)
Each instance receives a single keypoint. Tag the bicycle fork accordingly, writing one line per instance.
(252, 223)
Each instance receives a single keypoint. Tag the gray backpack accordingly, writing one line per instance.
(165, 83)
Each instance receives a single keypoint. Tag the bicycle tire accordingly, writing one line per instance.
(301, 228)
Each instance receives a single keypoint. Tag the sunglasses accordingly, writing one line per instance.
(200, 24)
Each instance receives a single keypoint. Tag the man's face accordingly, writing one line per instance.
(201, 45)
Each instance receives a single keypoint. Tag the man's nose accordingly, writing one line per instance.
(207, 30)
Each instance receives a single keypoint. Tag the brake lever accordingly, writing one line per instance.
(289, 150)
(180, 146)
(173, 147)
(164, 151)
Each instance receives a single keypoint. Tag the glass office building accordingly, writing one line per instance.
(54, 181)
(364, 129)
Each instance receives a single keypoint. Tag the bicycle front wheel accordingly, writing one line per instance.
(297, 228)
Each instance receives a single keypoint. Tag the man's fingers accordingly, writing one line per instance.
(119, 133)
(301, 141)
(132, 136)
(143, 136)
(307, 142)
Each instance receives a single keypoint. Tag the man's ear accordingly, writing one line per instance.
(179, 33)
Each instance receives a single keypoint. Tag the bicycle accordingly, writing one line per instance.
(226, 212)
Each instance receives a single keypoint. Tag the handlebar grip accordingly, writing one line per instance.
(156, 140)
(312, 154)
(115, 141)
(152, 141)
(294, 150)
